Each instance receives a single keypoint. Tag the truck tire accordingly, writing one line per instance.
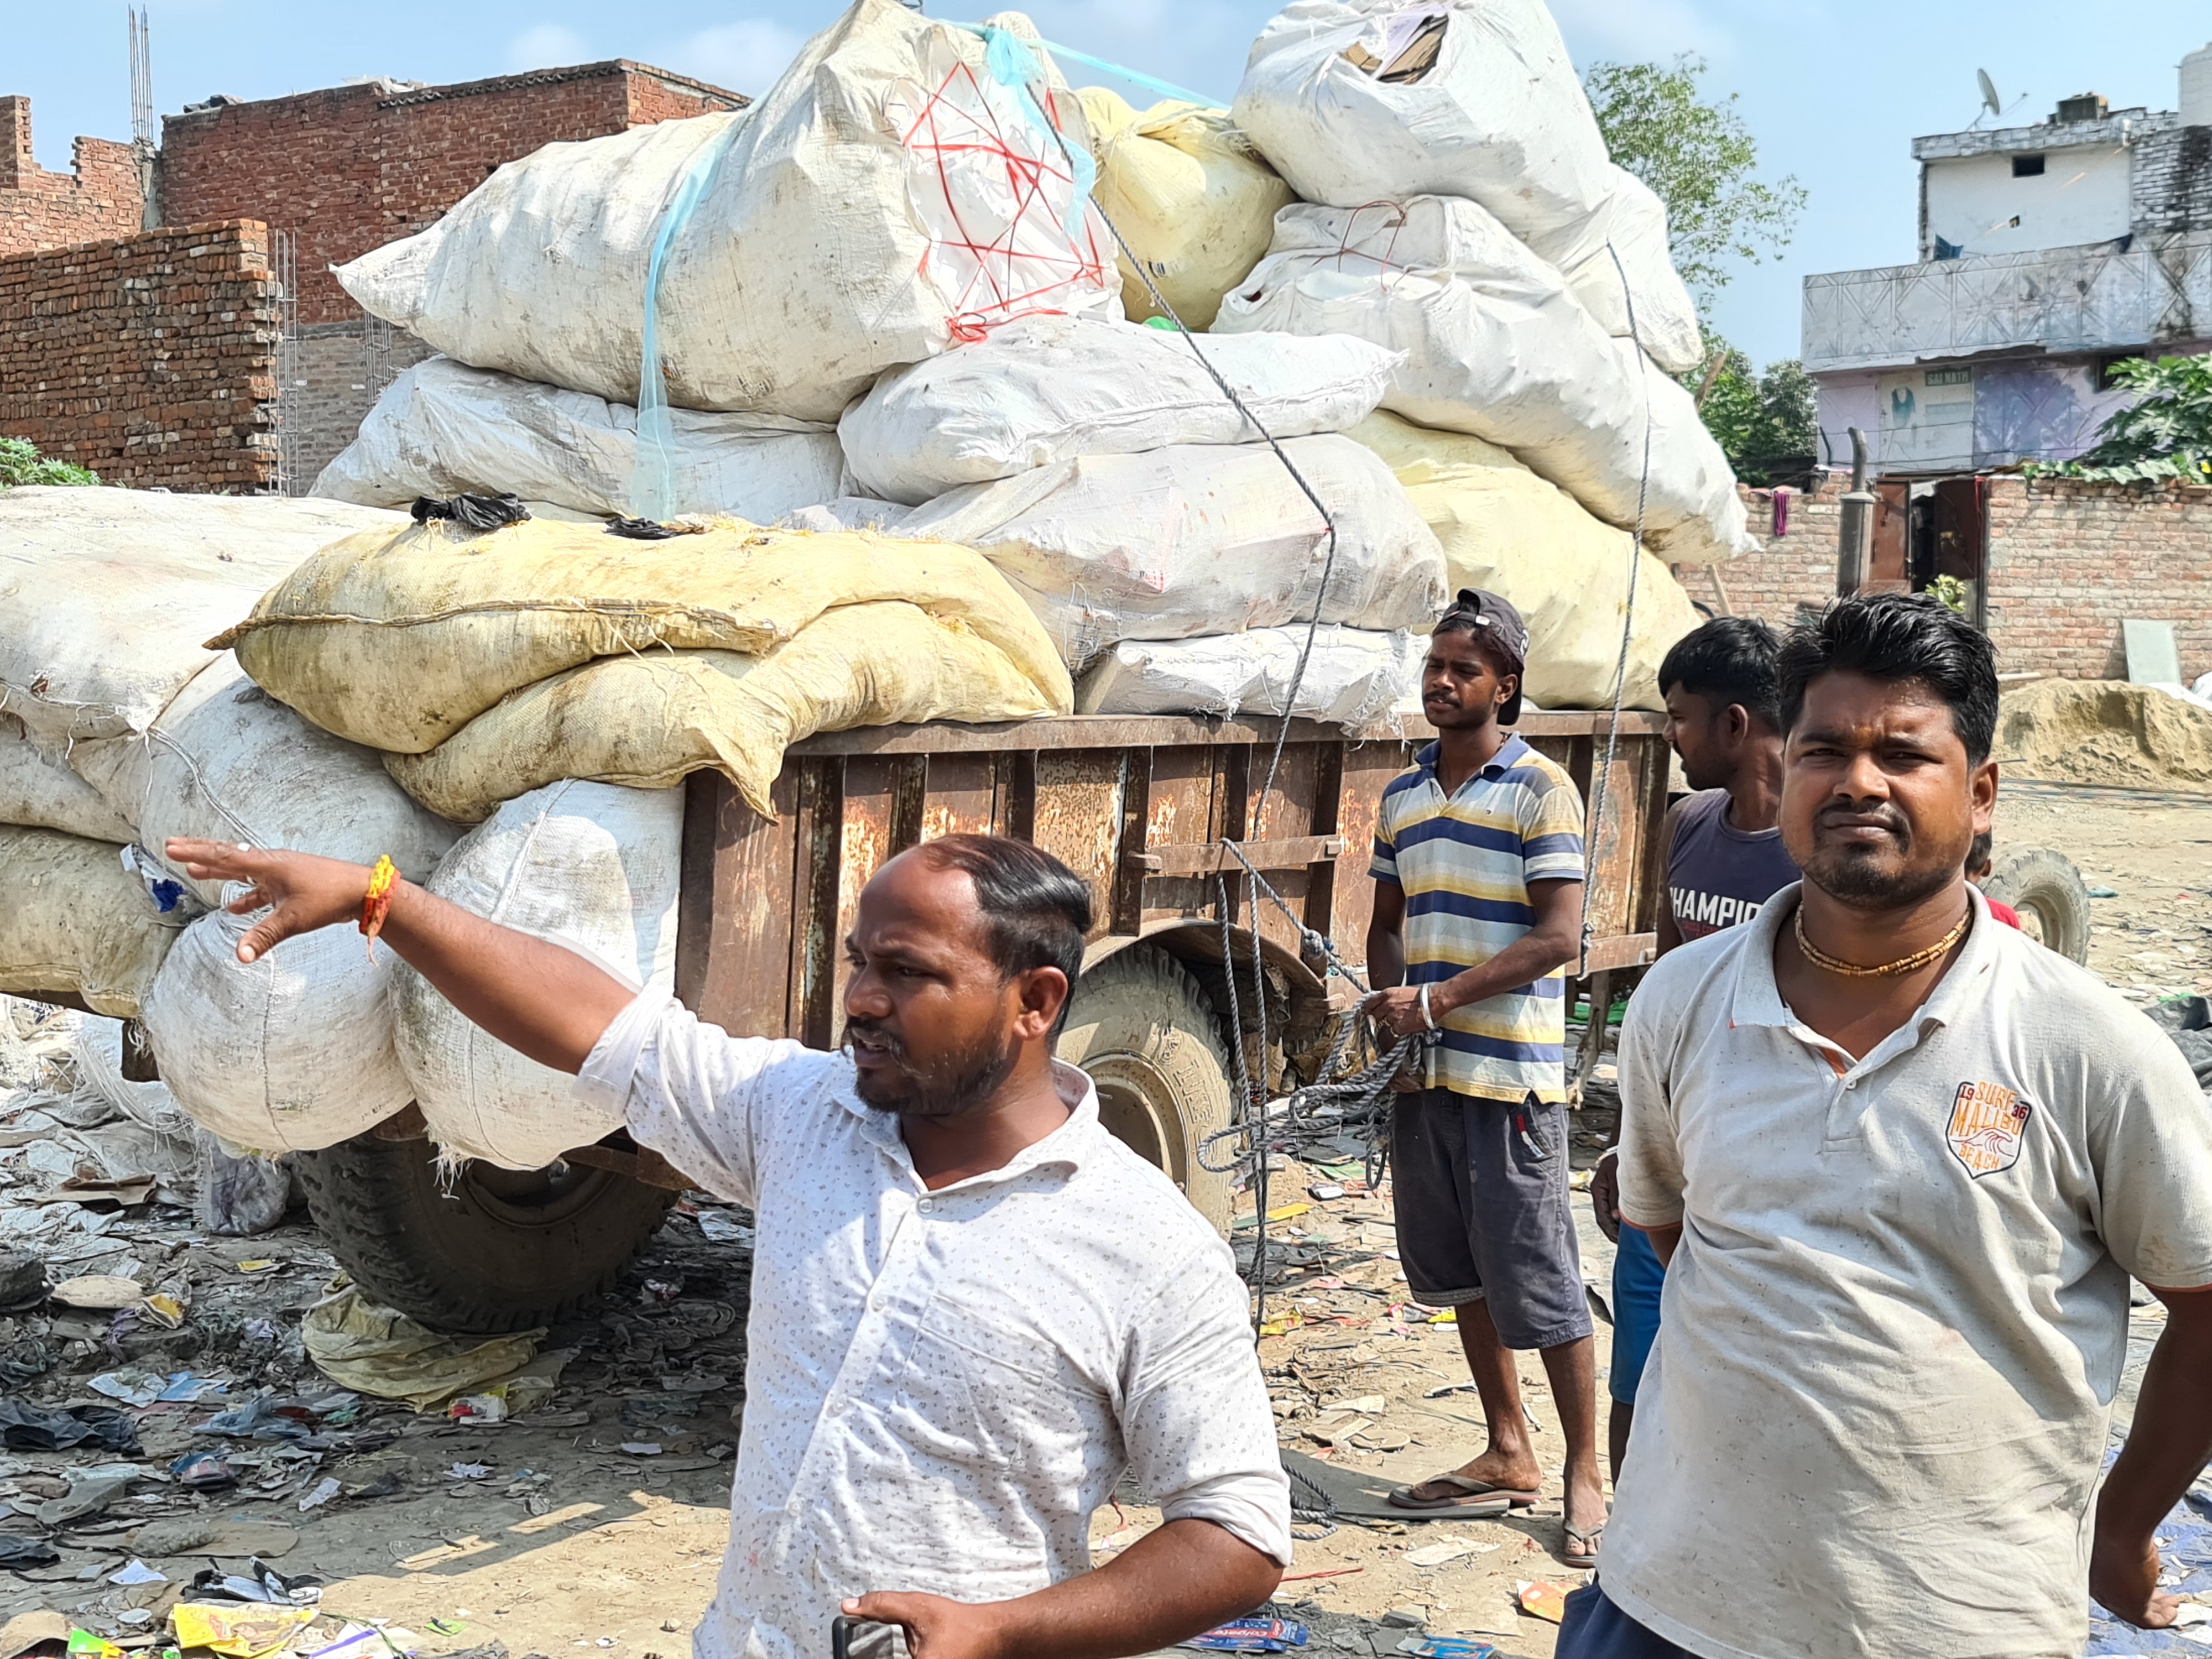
(2043, 886)
(502, 1250)
(1151, 1042)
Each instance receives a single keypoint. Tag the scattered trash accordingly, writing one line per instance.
(380, 1351)
(1446, 1549)
(322, 1491)
(642, 1447)
(26, 1427)
(723, 1228)
(469, 1471)
(220, 1538)
(239, 1632)
(99, 1292)
(83, 1645)
(1325, 1193)
(259, 1582)
(477, 1408)
(2104, 893)
(138, 1572)
(1407, 1617)
(22, 1280)
(1447, 1647)
(203, 1471)
(131, 1388)
(17, 1553)
(261, 1265)
(89, 1491)
(1542, 1599)
(660, 1292)
(1251, 1635)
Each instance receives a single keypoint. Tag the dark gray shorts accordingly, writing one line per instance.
(1481, 1191)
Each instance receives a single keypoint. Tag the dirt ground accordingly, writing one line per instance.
(595, 1520)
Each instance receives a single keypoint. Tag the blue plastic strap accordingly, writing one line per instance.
(1013, 64)
(652, 473)
(1167, 87)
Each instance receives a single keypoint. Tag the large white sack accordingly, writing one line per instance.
(289, 1053)
(589, 865)
(1495, 345)
(443, 427)
(1198, 538)
(885, 198)
(107, 596)
(38, 788)
(1499, 115)
(1353, 677)
(1048, 389)
(227, 762)
(75, 919)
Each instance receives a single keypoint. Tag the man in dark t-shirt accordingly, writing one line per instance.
(1724, 860)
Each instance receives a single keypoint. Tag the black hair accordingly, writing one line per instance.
(1899, 637)
(1037, 911)
(1979, 854)
(1730, 660)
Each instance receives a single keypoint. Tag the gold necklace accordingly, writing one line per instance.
(1822, 960)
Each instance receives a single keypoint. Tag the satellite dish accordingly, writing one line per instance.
(1989, 98)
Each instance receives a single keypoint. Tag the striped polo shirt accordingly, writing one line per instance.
(1465, 862)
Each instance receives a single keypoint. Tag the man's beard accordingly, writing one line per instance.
(1864, 878)
(954, 1085)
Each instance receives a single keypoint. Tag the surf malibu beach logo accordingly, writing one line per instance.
(1987, 1122)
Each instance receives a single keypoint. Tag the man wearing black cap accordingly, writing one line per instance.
(1478, 873)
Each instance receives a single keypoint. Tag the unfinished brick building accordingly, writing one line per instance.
(349, 169)
(100, 197)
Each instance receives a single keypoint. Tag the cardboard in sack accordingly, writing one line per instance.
(289, 1053)
(38, 788)
(1376, 101)
(442, 429)
(1353, 677)
(588, 865)
(1050, 389)
(74, 920)
(1495, 346)
(108, 594)
(647, 721)
(227, 762)
(887, 196)
(1505, 529)
(1191, 196)
(398, 642)
(1198, 538)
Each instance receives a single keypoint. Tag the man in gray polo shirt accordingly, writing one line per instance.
(1901, 1162)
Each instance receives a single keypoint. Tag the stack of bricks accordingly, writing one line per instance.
(2170, 181)
(151, 360)
(101, 197)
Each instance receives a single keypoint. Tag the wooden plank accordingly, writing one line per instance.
(1328, 802)
(1622, 950)
(1204, 858)
(877, 787)
(1368, 769)
(1285, 814)
(1062, 731)
(1078, 819)
(1182, 803)
(816, 947)
(963, 795)
(734, 923)
(1615, 837)
(1127, 902)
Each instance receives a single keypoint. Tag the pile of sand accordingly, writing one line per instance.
(2107, 732)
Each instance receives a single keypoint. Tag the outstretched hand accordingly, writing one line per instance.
(301, 891)
(935, 1628)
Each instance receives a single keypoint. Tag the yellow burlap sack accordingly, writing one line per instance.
(1505, 529)
(399, 641)
(72, 919)
(1189, 194)
(646, 721)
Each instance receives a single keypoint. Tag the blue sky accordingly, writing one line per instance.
(1833, 92)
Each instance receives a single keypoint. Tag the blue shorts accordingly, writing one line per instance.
(1596, 1629)
(1637, 1279)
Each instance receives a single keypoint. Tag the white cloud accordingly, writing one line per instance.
(548, 45)
(746, 57)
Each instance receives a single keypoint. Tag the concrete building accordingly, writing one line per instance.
(2047, 253)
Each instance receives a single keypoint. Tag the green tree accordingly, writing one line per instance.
(1700, 158)
(2166, 433)
(1760, 421)
(22, 464)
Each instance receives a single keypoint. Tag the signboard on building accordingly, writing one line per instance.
(1927, 419)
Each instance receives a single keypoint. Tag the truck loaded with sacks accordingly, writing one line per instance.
(926, 447)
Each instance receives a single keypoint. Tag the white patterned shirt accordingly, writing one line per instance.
(941, 1387)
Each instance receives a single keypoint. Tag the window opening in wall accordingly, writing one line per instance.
(2106, 365)
(2027, 166)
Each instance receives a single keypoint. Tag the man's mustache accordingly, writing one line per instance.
(877, 1035)
(1882, 811)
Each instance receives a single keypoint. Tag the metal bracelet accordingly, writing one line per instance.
(1427, 1019)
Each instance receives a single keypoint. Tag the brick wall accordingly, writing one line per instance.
(1792, 572)
(99, 197)
(150, 359)
(338, 371)
(350, 168)
(2170, 180)
(2068, 560)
